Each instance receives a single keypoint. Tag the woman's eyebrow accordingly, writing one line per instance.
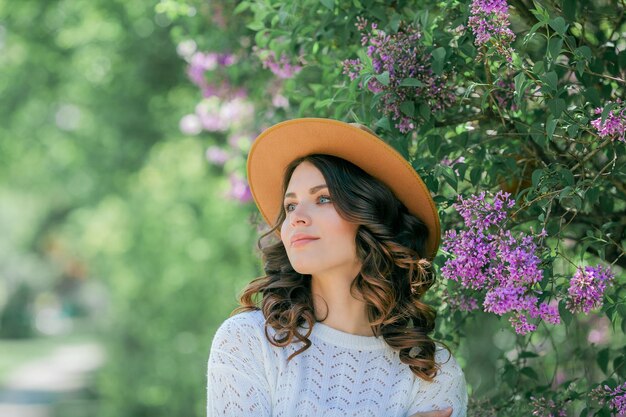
(311, 191)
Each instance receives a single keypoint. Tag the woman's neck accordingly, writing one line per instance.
(337, 308)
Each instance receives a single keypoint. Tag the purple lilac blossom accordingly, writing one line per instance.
(587, 288)
(216, 155)
(614, 124)
(402, 56)
(280, 101)
(201, 63)
(281, 67)
(614, 397)
(543, 407)
(504, 94)
(490, 259)
(239, 189)
(489, 21)
(460, 302)
(352, 68)
(217, 115)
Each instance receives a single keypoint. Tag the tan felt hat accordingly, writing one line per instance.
(280, 144)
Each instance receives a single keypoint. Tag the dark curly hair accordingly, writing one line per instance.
(395, 273)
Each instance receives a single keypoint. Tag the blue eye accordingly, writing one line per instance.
(286, 206)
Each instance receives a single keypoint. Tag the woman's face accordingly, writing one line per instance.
(310, 211)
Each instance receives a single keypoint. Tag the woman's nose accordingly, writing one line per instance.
(299, 215)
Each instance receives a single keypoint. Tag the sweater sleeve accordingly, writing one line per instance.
(448, 389)
(236, 379)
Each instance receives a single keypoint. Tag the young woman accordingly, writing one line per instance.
(336, 327)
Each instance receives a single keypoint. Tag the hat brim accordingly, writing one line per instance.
(275, 148)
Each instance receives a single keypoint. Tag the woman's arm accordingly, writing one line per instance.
(236, 380)
(435, 413)
(448, 389)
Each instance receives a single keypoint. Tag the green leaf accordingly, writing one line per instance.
(559, 25)
(536, 177)
(556, 106)
(567, 176)
(520, 86)
(528, 354)
(509, 375)
(261, 38)
(383, 78)
(383, 123)
(572, 131)
(565, 314)
(434, 143)
(603, 359)
(411, 82)
(475, 175)
(550, 126)
(532, 31)
(439, 56)
(256, 25)
(529, 372)
(551, 80)
(450, 176)
(569, 9)
(329, 4)
(584, 51)
(324, 103)
(408, 108)
(424, 111)
(554, 46)
(244, 5)
(394, 23)
(540, 13)
(619, 366)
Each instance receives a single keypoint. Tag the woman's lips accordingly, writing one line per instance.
(302, 242)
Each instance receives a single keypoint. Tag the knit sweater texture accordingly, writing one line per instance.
(341, 374)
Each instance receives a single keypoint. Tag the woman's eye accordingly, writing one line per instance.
(322, 197)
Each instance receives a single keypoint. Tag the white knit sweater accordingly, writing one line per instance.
(341, 374)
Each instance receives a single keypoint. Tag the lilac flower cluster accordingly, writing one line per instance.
(543, 407)
(281, 66)
(460, 302)
(614, 124)
(587, 287)
(489, 21)
(615, 398)
(489, 259)
(216, 155)
(504, 94)
(402, 56)
(224, 109)
(201, 63)
(239, 189)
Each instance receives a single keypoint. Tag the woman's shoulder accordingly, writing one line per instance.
(449, 366)
(241, 329)
(244, 322)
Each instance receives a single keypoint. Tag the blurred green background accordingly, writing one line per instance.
(119, 253)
